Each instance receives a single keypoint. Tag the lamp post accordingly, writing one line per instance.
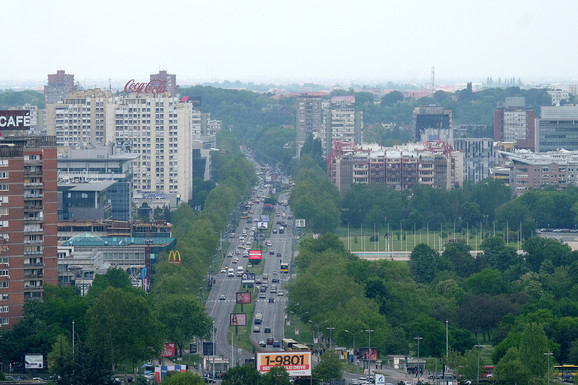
(354, 360)
(418, 361)
(369, 331)
(72, 339)
(478, 347)
(548, 355)
(447, 335)
(331, 329)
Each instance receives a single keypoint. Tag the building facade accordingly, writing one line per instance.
(514, 122)
(309, 118)
(28, 222)
(156, 127)
(59, 86)
(478, 157)
(342, 122)
(399, 168)
(557, 128)
(435, 120)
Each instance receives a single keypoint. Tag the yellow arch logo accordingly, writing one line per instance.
(175, 257)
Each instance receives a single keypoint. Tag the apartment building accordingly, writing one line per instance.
(28, 215)
(514, 122)
(155, 126)
(399, 168)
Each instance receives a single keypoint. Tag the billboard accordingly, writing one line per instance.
(255, 255)
(365, 354)
(243, 297)
(248, 278)
(15, 120)
(265, 218)
(299, 222)
(169, 350)
(33, 361)
(297, 364)
(238, 319)
(262, 225)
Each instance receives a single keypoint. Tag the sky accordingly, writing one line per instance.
(278, 41)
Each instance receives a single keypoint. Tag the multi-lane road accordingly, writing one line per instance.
(222, 298)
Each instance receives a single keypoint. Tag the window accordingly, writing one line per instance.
(4, 273)
(3, 174)
(3, 284)
(3, 162)
(4, 187)
(4, 297)
(3, 309)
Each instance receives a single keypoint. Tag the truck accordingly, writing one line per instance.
(258, 318)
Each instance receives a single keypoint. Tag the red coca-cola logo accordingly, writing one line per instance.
(152, 87)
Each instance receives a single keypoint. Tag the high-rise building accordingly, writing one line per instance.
(514, 122)
(342, 122)
(155, 126)
(435, 118)
(59, 86)
(478, 157)
(557, 128)
(28, 216)
(309, 117)
(169, 80)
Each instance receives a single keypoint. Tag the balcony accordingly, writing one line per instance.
(28, 287)
(33, 264)
(33, 184)
(34, 219)
(30, 195)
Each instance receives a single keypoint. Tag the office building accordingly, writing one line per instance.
(514, 122)
(478, 157)
(28, 217)
(431, 123)
(557, 128)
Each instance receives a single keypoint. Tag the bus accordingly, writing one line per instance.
(300, 348)
(565, 372)
(487, 372)
(287, 343)
(284, 268)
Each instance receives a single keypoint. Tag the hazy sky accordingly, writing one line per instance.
(359, 41)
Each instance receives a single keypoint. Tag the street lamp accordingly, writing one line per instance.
(369, 331)
(331, 329)
(353, 334)
(548, 355)
(478, 347)
(418, 361)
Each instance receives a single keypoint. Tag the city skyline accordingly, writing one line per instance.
(280, 42)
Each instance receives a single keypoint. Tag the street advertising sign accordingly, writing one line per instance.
(255, 255)
(299, 222)
(297, 364)
(238, 319)
(33, 361)
(262, 225)
(248, 278)
(169, 350)
(243, 297)
(379, 379)
(15, 120)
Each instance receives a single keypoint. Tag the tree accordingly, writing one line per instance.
(532, 347)
(242, 375)
(122, 327)
(183, 378)
(184, 318)
(511, 369)
(329, 367)
(276, 376)
(422, 263)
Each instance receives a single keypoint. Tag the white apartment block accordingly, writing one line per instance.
(157, 127)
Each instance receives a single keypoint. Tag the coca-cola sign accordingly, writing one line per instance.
(153, 87)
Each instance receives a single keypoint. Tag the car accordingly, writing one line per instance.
(262, 344)
(262, 295)
(267, 330)
(271, 252)
(279, 255)
(275, 280)
(276, 344)
(270, 341)
(271, 300)
(280, 293)
(235, 260)
(223, 270)
(222, 297)
(274, 231)
(229, 255)
(256, 329)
